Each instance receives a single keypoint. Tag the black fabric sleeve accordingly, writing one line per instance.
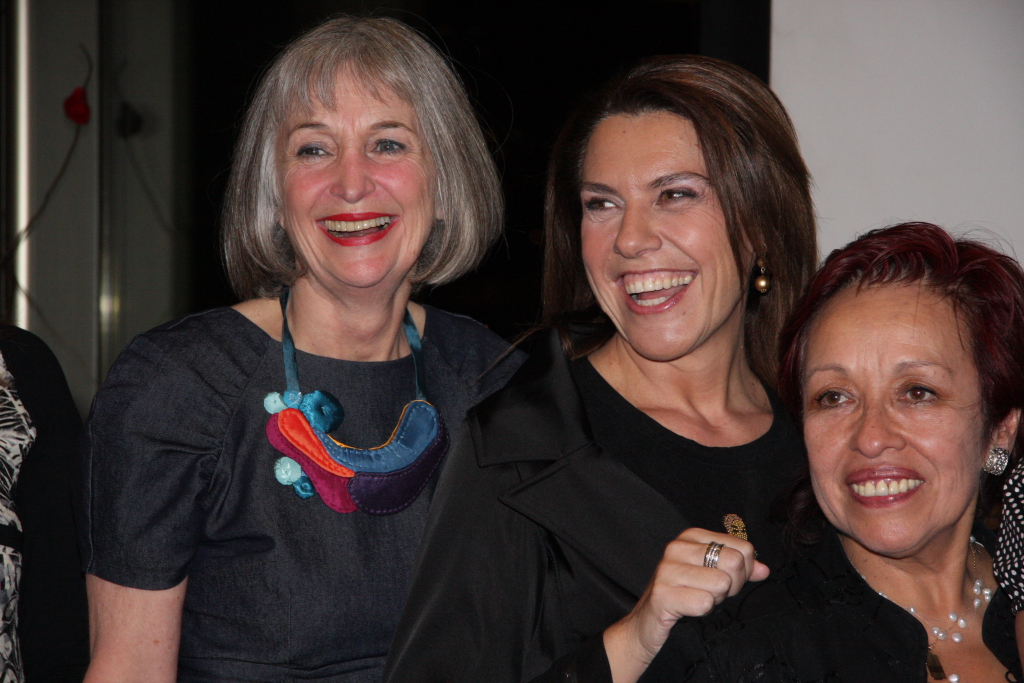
(475, 605)
(53, 626)
(150, 457)
(588, 664)
(687, 656)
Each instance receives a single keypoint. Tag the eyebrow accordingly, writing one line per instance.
(313, 125)
(655, 184)
(597, 187)
(380, 125)
(384, 125)
(911, 364)
(902, 366)
(831, 367)
(673, 178)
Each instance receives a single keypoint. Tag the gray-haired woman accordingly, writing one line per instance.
(257, 477)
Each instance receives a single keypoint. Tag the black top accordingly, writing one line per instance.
(538, 538)
(815, 620)
(704, 482)
(180, 482)
(52, 614)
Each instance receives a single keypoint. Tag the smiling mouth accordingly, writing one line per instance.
(885, 487)
(362, 228)
(651, 290)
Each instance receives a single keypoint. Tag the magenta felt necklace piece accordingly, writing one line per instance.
(379, 481)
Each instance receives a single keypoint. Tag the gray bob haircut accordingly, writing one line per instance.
(383, 54)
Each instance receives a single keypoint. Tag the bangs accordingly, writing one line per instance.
(312, 78)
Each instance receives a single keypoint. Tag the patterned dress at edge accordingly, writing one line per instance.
(16, 436)
(1009, 560)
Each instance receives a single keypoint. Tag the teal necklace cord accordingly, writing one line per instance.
(380, 480)
(291, 368)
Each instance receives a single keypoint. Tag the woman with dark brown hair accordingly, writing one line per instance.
(643, 438)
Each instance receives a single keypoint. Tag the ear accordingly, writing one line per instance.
(1005, 433)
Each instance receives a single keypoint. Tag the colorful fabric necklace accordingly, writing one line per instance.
(381, 480)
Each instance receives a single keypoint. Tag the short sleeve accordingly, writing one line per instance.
(151, 451)
(1009, 559)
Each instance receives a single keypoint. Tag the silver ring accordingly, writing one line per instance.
(711, 554)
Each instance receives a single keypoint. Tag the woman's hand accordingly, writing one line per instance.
(682, 587)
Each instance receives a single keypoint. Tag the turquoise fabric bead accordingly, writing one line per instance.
(304, 487)
(274, 403)
(322, 410)
(287, 471)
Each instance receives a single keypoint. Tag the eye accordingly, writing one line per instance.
(597, 204)
(677, 193)
(311, 150)
(830, 399)
(388, 146)
(918, 394)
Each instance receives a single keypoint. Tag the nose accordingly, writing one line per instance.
(876, 432)
(353, 177)
(636, 234)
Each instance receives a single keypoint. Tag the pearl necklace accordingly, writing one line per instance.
(981, 593)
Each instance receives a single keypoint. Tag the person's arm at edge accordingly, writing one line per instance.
(134, 633)
(1020, 634)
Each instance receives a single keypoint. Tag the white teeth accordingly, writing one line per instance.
(653, 284)
(355, 226)
(885, 487)
(653, 302)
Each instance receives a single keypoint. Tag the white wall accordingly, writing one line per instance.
(906, 110)
(61, 282)
(100, 267)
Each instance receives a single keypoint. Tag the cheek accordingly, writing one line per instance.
(597, 242)
(299, 191)
(825, 447)
(956, 456)
(407, 182)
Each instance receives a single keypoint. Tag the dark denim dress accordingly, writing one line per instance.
(179, 482)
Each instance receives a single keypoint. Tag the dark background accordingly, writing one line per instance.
(525, 65)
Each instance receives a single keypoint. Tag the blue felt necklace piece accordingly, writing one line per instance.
(380, 480)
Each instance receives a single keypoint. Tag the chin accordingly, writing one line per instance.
(654, 348)
(895, 539)
(370, 274)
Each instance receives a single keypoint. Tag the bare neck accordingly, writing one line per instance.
(936, 580)
(710, 395)
(360, 328)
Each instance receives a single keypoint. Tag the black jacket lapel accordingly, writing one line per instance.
(604, 511)
(583, 496)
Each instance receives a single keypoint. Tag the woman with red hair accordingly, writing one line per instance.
(904, 362)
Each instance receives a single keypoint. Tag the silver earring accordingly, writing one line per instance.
(997, 459)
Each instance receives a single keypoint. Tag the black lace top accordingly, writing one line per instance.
(815, 620)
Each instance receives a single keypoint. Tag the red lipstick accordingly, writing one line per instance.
(363, 216)
(361, 237)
